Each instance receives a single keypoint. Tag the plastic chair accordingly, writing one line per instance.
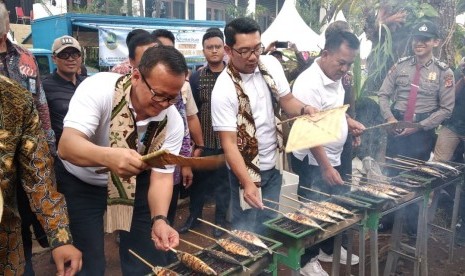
(20, 15)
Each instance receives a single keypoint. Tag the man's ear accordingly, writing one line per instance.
(227, 50)
(436, 42)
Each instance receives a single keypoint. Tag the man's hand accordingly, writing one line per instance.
(407, 131)
(67, 253)
(331, 176)
(310, 110)
(392, 130)
(125, 162)
(355, 127)
(187, 176)
(164, 236)
(252, 196)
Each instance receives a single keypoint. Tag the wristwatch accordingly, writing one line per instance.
(162, 217)
(302, 110)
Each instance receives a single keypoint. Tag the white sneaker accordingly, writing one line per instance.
(313, 268)
(322, 256)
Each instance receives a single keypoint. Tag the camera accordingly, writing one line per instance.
(281, 44)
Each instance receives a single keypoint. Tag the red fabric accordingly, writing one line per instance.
(412, 97)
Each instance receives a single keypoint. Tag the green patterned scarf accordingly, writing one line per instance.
(246, 140)
(123, 134)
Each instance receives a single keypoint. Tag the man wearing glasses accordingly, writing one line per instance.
(112, 121)
(243, 99)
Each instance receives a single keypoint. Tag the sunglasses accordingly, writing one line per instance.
(66, 55)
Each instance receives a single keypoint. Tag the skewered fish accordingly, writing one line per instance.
(391, 187)
(442, 165)
(383, 190)
(250, 238)
(405, 182)
(336, 208)
(161, 271)
(300, 218)
(429, 171)
(195, 263)
(234, 247)
(373, 192)
(223, 257)
(319, 208)
(316, 215)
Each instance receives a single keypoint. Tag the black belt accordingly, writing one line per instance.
(417, 117)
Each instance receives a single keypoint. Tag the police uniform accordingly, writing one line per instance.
(434, 101)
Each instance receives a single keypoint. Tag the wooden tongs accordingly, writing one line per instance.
(160, 158)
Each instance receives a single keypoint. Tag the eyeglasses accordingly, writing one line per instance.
(246, 53)
(211, 48)
(156, 97)
(66, 55)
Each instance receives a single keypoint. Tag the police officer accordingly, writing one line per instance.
(421, 90)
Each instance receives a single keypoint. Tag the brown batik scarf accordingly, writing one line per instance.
(246, 130)
(123, 134)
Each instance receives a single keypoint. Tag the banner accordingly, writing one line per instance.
(113, 49)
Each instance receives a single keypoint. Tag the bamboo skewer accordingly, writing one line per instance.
(413, 159)
(143, 260)
(381, 125)
(202, 235)
(400, 167)
(315, 191)
(401, 161)
(216, 226)
(192, 244)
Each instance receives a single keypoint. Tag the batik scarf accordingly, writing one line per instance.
(123, 134)
(247, 142)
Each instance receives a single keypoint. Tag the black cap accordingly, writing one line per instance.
(426, 29)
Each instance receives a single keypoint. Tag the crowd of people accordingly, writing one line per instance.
(57, 134)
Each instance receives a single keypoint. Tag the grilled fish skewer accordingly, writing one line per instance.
(373, 192)
(443, 165)
(332, 206)
(242, 235)
(312, 212)
(316, 206)
(299, 218)
(157, 270)
(229, 246)
(385, 186)
(405, 162)
(308, 213)
(193, 262)
(346, 200)
(217, 255)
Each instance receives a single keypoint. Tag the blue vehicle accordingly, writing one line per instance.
(44, 60)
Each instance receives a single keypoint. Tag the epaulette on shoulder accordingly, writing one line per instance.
(441, 64)
(404, 59)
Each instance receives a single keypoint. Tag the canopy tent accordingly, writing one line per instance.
(289, 26)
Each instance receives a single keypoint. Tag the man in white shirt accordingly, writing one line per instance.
(112, 121)
(318, 167)
(242, 113)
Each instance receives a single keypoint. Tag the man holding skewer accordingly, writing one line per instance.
(318, 168)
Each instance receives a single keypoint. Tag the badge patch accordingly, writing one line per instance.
(448, 81)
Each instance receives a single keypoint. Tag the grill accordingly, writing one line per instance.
(262, 259)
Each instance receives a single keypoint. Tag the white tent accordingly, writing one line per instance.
(289, 26)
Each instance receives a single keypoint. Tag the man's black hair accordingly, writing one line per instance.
(335, 40)
(166, 55)
(214, 32)
(163, 33)
(134, 32)
(242, 25)
(138, 40)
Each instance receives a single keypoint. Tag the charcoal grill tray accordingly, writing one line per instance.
(223, 268)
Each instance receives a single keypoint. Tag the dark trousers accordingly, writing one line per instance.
(212, 181)
(310, 177)
(139, 238)
(86, 207)
(28, 219)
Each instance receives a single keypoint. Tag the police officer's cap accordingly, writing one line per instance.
(426, 29)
